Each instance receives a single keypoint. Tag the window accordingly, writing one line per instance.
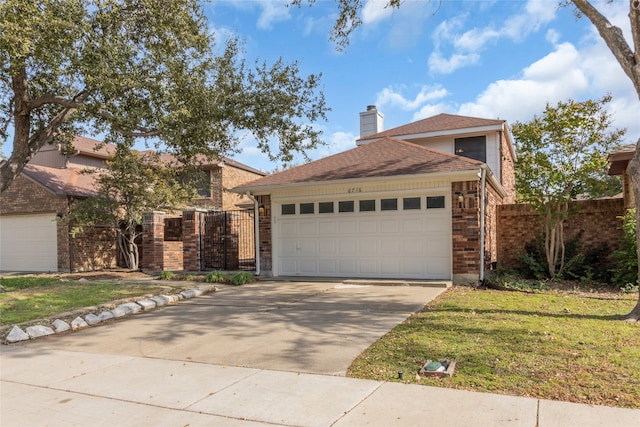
(474, 147)
(411, 203)
(347, 206)
(389, 204)
(325, 207)
(367, 205)
(306, 208)
(289, 209)
(435, 202)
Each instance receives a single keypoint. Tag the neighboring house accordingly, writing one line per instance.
(32, 238)
(415, 202)
(618, 162)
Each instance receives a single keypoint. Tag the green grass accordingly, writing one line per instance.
(30, 297)
(546, 345)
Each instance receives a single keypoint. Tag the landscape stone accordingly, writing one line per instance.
(16, 335)
(92, 319)
(105, 315)
(131, 307)
(38, 331)
(147, 304)
(119, 311)
(161, 300)
(78, 323)
(60, 326)
(189, 293)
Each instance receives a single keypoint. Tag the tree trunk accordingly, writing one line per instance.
(633, 171)
(629, 60)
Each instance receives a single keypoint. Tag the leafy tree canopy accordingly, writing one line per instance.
(142, 69)
(562, 154)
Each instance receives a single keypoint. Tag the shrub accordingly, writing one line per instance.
(189, 277)
(509, 280)
(241, 278)
(215, 277)
(625, 273)
(167, 275)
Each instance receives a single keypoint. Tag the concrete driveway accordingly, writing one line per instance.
(306, 327)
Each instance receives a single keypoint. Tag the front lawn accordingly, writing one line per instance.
(551, 345)
(28, 298)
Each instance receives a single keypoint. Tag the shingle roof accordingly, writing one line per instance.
(438, 123)
(382, 158)
(87, 146)
(63, 182)
(619, 159)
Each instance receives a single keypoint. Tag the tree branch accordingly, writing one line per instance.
(613, 37)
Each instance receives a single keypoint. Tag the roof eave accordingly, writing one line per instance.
(448, 132)
(466, 174)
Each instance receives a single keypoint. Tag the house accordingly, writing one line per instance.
(32, 238)
(416, 202)
(618, 162)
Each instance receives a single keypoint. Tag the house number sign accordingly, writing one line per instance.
(354, 190)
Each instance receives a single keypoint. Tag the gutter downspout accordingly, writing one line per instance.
(483, 188)
(256, 229)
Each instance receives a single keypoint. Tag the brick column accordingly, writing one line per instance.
(191, 224)
(153, 241)
(264, 231)
(465, 224)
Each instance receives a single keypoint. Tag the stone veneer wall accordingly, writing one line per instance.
(597, 221)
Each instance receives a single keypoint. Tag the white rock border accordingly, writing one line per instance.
(93, 318)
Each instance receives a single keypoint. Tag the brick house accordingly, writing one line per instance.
(618, 162)
(32, 238)
(416, 202)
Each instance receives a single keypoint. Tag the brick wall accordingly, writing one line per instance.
(172, 256)
(507, 169)
(597, 220)
(93, 249)
(266, 255)
(191, 240)
(465, 224)
(233, 177)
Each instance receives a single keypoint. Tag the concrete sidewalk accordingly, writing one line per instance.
(52, 387)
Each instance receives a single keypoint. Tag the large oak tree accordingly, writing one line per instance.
(627, 56)
(131, 69)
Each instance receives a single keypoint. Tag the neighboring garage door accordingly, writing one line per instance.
(28, 243)
(385, 237)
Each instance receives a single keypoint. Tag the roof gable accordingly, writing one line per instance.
(438, 123)
(381, 158)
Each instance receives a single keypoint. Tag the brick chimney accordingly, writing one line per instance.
(371, 121)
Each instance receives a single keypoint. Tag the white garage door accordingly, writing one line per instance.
(397, 237)
(28, 243)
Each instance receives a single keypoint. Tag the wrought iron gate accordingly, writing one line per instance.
(227, 240)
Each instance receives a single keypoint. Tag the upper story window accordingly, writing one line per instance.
(474, 147)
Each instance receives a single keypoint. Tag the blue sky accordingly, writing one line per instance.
(491, 59)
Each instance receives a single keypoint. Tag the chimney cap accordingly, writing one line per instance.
(371, 107)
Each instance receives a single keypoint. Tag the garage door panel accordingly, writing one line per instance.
(308, 266)
(389, 225)
(307, 247)
(347, 247)
(289, 228)
(326, 228)
(347, 267)
(368, 267)
(327, 267)
(288, 247)
(308, 228)
(367, 247)
(368, 226)
(348, 226)
(327, 247)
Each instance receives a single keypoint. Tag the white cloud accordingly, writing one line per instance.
(389, 97)
(439, 64)
(375, 11)
(272, 12)
(464, 48)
